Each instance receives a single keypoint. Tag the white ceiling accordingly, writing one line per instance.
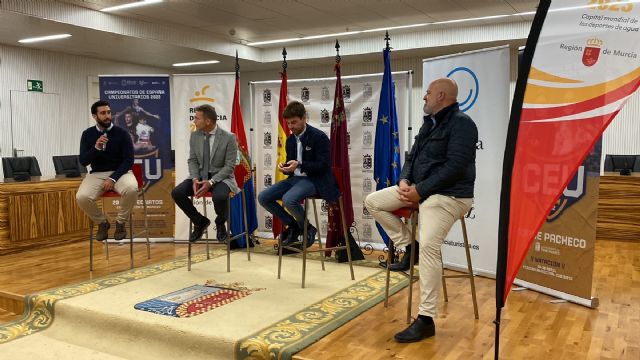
(230, 24)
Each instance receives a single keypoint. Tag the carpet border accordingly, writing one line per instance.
(39, 309)
(300, 330)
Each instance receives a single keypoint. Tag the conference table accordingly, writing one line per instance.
(619, 207)
(40, 212)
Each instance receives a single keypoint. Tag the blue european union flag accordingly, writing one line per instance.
(237, 221)
(386, 166)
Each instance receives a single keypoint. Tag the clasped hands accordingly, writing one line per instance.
(200, 187)
(408, 193)
(288, 167)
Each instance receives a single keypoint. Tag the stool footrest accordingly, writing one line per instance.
(458, 276)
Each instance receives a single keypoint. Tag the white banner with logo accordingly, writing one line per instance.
(361, 97)
(190, 91)
(483, 94)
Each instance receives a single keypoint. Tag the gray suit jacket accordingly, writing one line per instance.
(223, 157)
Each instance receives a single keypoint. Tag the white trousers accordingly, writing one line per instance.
(91, 189)
(437, 215)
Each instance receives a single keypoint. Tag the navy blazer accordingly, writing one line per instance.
(316, 161)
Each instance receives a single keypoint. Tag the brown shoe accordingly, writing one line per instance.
(121, 231)
(103, 229)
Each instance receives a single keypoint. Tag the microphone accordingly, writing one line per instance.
(104, 146)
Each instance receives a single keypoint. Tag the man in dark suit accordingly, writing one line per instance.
(212, 158)
(309, 170)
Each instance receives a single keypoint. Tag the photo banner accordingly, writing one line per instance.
(189, 92)
(483, 94)
(361, 96)
(562, 255)
(142, 106)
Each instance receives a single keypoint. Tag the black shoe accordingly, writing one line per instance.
(405, 263)
(103, 229)
(292, 236)
(198, 230)
(311, 235)
(121, 231)
(418, 330)
(221, 233)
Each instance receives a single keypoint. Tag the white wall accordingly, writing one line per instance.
(62, 74)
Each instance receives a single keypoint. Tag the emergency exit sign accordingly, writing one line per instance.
(34, 85)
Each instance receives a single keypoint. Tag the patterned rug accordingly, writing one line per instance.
(97, 319)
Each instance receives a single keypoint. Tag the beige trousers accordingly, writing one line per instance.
(91, 189)
(437, 215)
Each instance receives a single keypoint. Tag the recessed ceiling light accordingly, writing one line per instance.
(44, 38)
(130, 5)
(197, 63)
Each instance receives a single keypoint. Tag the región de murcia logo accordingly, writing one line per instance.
(592, 52)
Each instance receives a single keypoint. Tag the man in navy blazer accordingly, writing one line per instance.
(309, 168)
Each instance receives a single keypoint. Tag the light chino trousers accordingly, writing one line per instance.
(437, 215)
(91, 189)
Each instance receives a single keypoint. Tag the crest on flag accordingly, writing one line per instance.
(367, 91)
(267, 160)
(267, 139)
(346, 93)
(266, 97)
(366, 185)
(268, 222)
(324, 206)
(367, 139)
(267, 117)
(325, 96)
(366, 231)
(367, 116)
(365, 213)
(366, 162)
(268, 180)
(324, 116)
(349, 139)
(304, 95)
(592, 52)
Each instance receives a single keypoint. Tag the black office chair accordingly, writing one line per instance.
(20, 168)
(68, 165)
(636, 164)
(608, 163)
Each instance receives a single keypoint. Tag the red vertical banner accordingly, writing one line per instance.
(340, 161)
(579, 68)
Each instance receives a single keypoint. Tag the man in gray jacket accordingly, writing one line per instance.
(438, 176)
(212, 159)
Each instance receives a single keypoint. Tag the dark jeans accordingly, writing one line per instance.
(292, 191)
(220, 196)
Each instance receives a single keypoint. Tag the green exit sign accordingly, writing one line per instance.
(34, 85)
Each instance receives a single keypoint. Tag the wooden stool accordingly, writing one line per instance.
(305, 250)
(137, 172)
(229, 238)
(412, 214)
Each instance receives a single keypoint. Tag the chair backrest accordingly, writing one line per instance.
(26, 165)
(137, 172)
(608, 163)
(66, 164)
(337, 173)
(636, 164)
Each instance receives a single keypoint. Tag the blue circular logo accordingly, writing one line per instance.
(472, 96)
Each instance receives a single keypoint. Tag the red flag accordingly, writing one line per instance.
(283, 132)
(339, 160)
(242, 171)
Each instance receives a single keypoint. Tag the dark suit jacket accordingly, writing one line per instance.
(316, 161)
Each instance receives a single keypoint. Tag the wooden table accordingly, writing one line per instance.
(619, 207)
(40, 212)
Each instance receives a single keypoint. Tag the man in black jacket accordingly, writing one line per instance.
(109, 151)
(439, 175)
(309, 170)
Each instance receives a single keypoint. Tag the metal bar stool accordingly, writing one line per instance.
(229, 238)
(305, 250)
(137, 172)
(412, 214)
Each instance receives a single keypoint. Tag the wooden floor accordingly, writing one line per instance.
(533, 328)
